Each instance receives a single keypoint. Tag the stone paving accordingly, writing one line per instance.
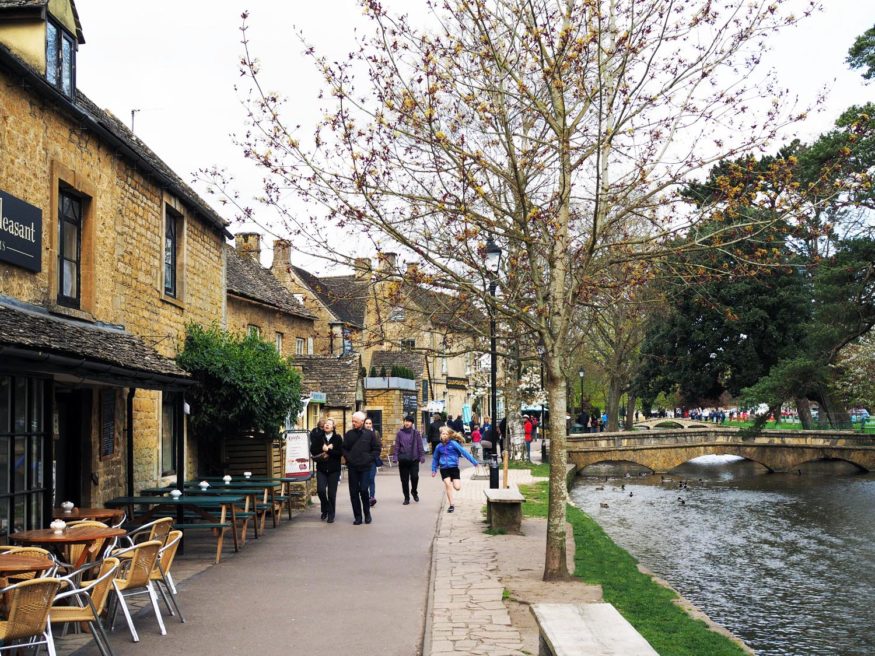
(468, 615)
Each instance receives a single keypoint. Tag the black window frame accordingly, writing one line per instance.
(172, 222)
(56, 73)
(169, 444)
(74, 221)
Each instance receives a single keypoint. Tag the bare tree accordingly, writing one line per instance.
(560, 129)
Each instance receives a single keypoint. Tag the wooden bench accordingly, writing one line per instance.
(595, 629)
(504, 509)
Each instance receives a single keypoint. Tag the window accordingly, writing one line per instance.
(424, 391)
(60, 58)
(279, 342)
(408, 343)
(309, 346)
(396, 314)
(443, 364)
(253, 331)
(70, 248)
(172, 221)
(299, 345)
(169, 432)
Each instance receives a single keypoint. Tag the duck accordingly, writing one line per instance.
(600, 487)
(682, 501)
(630, 494)
(603, 505)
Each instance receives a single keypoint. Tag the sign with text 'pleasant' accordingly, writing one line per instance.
(21, 233)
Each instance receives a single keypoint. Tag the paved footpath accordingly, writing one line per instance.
(468, 615)
(309, 587)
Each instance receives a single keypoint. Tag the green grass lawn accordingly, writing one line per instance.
(785, 425)
(647, 605)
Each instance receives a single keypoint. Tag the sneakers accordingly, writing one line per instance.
(416, 497)
(373, 502)
(324, 516)
(451, 509)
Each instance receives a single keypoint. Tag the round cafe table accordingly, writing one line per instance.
(13, 563)
(98, 514)
(86, 535)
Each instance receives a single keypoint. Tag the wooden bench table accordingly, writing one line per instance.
(504, 509)
(595, 629)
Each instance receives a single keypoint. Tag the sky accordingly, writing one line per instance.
(176, 64)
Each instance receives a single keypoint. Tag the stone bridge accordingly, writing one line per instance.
(661, 450)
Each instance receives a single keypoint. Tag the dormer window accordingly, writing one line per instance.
(60, 58)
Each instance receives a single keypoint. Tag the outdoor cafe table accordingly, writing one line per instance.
(13, 563)
(86, 535)
(252, 491)
(199, 504)
(98, 514)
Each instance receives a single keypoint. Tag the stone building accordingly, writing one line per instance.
(105, 255)
(258, 303)
(332, 388)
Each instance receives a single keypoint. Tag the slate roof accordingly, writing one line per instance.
(346, 297)
(447, 311)
(34, 330)
(337, 377)
(247, 278)
(115, 135)
(410, 359)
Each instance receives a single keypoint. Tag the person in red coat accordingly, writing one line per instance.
(528, 426)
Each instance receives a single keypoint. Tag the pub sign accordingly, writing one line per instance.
(21, 233)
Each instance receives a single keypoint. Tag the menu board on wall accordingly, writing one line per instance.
(107, 423)
(21, 233)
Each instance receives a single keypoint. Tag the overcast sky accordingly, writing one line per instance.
(176, 62)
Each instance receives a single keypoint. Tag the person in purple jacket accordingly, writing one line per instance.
(446, 457)
(408, 453)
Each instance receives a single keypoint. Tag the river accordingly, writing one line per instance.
(784, 561)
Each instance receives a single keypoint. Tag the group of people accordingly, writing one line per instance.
(361, 447)
(593, 422)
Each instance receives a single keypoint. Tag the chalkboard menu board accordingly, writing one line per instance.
(409, 404)
(107, 423)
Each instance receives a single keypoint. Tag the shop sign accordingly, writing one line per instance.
(21, 233)
(297, 453)
(409, 404)
(318, 397)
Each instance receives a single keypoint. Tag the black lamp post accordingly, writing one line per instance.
(493, 265)
(581, 372)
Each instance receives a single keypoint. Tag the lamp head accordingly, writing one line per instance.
(581, 372)
(493, 256)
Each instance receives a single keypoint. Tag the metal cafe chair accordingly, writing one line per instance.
(162, 577)
(28, 606)
(90, 598)
(135, 577)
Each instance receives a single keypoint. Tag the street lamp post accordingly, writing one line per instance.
(581, 372)
(493, 265)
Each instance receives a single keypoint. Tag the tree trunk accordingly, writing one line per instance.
(803, 406)
(630, 412)
(555, 566)
(835, 411)
(612, 405)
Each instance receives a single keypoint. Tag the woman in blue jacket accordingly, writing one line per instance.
(446, 457)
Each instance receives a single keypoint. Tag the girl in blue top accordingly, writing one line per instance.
(446, 457)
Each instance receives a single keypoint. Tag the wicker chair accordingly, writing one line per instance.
(90, 597)
(163, 578)
(135, 577)
(73, 552)
(157, 529)
(28, 606)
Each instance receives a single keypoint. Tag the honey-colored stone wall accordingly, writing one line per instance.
(122, 256)
(242, 313)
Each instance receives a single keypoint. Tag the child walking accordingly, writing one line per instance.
(446, 457)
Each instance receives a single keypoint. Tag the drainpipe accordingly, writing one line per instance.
(130, 439)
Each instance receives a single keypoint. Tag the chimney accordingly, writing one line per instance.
(412, 270)
(249, 243)
(362, 267)
(282, 256)
(388, 261)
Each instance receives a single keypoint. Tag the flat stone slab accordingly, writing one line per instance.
(595, 629)
(504, 496)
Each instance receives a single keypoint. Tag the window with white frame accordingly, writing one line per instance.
(300, 344)
(278, 340)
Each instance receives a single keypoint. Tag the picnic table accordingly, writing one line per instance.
(200, 505)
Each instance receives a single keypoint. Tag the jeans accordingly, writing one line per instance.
(372, 482)
(409, 470)
(326, 488)
(358, 491)
(528, 451)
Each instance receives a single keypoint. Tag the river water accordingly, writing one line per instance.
(784, 561)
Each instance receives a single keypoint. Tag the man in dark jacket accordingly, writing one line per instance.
(434, 431)
(360, 448)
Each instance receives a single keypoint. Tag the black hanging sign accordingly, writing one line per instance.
(21, 233)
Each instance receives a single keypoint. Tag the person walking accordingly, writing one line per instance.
(476, 436)
(433, 434)
(409, 454)
(326, 448)
(528, 427)
(360, 448)
(446, 458)
(378, 462)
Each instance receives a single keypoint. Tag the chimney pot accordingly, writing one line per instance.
(282, 255)
(388, 261)
(362, 266)
(249, 243)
